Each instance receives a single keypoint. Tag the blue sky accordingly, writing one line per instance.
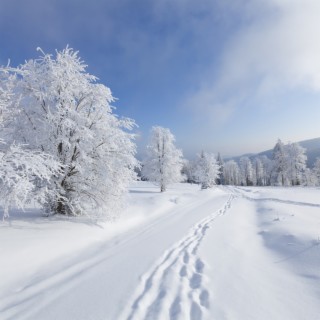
(229, 75)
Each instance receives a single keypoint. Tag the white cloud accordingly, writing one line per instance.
(275, 51)
(283, 50)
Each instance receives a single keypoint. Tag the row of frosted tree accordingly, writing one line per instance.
(287, 167)
(164, 163)
(62, 146)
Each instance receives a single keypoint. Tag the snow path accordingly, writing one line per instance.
(174, 288)
(96, 283)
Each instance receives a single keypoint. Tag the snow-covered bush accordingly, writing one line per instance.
(164, 161)
(59, 109)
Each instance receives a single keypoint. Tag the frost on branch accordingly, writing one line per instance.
(23, 173)
(60, 109)
(23, 176)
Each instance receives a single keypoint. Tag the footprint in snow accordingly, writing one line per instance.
(199, 265)
(186, 257)
(195, 312)
(204, 229)
(204, 298)
(183, 271)
(175, 309)
(177, 263)
(195, 281)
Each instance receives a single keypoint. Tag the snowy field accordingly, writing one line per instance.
(224, 253)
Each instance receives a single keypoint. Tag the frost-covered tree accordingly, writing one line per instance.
(220, 179)
(310, 178)
(61, 110)
(187, 171)
(232, 173)
(259, 172)
(280, 161)
(316, 171)
(164, 161)
(296, 163)
(289, 163)
(207, 170)
(246, 171)
(267, 165)
(23, 173)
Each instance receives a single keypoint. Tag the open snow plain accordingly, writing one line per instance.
(224, 253)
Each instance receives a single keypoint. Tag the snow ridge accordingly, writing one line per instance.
(175, 288)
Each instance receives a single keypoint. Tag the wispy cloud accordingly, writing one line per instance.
(275, 51)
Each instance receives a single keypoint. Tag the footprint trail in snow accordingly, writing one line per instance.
(175, 288)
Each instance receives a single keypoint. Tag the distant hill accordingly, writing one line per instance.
(312, 147)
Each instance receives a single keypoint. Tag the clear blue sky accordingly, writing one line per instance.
(229, 75)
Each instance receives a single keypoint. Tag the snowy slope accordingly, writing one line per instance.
(225, 253)
(263, 258)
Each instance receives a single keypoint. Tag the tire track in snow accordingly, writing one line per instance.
(175, 287)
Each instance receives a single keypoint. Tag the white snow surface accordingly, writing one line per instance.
(222, 253)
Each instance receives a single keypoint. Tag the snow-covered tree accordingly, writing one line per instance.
(246, 171)
(232, 173)
(23, 173)
(267, 165)
(280, 161)
(220, 179)
(316, 171)
(164, 161)
(259, 172)
(310, 179)
(61, 110)
(289, 163)
(207, 170)
(296, 163)
(188, 171)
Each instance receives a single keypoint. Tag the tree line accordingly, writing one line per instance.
(287, 167)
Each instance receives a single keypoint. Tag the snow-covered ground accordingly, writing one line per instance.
(224, 253)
